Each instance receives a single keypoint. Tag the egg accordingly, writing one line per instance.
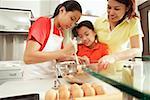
(98, 89)
(88, 90)
(64, 93)
(51, 95)
(86, 85)
(76, 91)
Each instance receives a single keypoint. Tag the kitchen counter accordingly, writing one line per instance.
(20, 87)
(133, 78)
(135, 81)
(13, 32)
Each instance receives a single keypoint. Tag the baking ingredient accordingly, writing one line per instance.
(64, 93)
(51, 95)
(76, 91)
(88, 90)
(86, 85)
(98, 89)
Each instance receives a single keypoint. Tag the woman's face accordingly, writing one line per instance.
(115, 10)
(68, 19)
(86, 35)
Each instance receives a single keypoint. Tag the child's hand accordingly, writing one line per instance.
(84, 60)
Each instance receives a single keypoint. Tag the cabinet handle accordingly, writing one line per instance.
(12, 74)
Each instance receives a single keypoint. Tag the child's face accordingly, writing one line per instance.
(86, 35)
(68, 19)
(115, 10)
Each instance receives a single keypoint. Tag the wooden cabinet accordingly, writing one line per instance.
(144, 8)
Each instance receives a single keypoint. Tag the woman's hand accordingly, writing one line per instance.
(66, 58)
(105, 61)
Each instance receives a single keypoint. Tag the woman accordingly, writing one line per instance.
(89, 48)
(121, 27)
(45, 40)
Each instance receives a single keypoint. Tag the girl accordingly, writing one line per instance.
(89, 48)
(45, 40)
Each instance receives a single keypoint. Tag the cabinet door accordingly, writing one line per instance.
(144, 14)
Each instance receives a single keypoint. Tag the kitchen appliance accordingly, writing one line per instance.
(14, 25)
(10, 70)
(22, 97)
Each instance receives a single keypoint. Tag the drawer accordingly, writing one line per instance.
(11, 74)
(10, 79)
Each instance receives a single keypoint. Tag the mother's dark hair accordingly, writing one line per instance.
(130, 4)
(70, 5)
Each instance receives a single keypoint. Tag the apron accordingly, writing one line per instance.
(45, 69)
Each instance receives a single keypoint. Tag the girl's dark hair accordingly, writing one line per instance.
(85, 23)
(70, 5)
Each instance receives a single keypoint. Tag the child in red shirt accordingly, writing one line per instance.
(89, 48)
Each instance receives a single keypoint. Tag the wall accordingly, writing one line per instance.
(91, 6)
(38, 7)
(47, 7)
(140, 1)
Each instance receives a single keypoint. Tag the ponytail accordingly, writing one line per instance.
(70, 5)
(57, 10)
(133, 13)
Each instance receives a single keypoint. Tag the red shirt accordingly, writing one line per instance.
(40, 31)
(93, 54)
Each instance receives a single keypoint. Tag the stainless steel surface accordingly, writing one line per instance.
(68, 67)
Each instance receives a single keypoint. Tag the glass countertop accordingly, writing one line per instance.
(133, 78)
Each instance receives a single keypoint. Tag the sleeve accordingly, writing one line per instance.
(82, 50)
(97, 24)
(38, 31)
(135, 26)
(79, 50)
(104, 49)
